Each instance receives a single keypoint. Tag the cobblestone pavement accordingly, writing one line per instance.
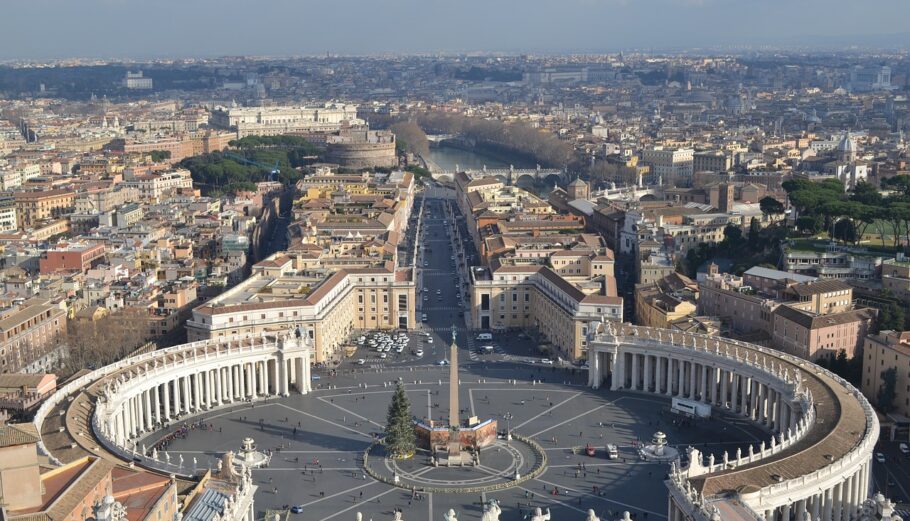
(317, 441)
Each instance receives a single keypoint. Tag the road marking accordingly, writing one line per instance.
(339, 425)
(602, 498)
(352, 413)
(569, 420)
(377, 496)
(372, 482)
(576, 395)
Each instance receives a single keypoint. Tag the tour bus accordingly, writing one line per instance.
(690, 408)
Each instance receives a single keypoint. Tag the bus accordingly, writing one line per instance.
(690, 408)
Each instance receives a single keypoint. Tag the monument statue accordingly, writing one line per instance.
(592, 516)
(450, 515)
(358, 517)
(540, 516)
(491, 511)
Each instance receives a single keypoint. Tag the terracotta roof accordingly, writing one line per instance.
(564, 285)
(813, 321)
(601, 299)
(18, 434)
(819, 287)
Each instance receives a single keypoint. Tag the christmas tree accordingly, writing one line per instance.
(400, 439)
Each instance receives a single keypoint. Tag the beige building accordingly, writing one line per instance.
(896, 278)
(326, 307)
(29, 334)
(881, 352)
(536, 297)
(670, 299)
(812, 336)
(37, 206)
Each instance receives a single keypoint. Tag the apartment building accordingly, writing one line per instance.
(71, 258)
(36, 206)
(282, 295)
(517, 297)
(813, 336)
(711, 161)
(831, 261)
(885, 351)
(153, 187)
(668, 300)
(29, 335)
(671, 166)
(896, 277)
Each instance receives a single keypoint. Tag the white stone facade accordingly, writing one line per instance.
(140, 394)
(797, 472)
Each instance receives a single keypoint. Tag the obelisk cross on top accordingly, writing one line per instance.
(454, 423)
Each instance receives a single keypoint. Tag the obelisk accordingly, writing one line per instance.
(454, 423)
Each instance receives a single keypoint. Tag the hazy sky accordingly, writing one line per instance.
(155, 28)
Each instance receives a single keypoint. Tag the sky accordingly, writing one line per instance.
(143, 29)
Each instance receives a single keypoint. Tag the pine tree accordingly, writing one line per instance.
(400, 438)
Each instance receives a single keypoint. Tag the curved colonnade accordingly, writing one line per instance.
(815, 463)
(142, 394)
(821, 430)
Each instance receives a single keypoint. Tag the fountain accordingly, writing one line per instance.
(249, 457)
(658, 450)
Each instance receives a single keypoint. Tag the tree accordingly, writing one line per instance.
(899, 183)
(733, 235)
(400, 438)
(891, 316)
(771, 206)
(411, 138)
(160, 155)
(885, 396)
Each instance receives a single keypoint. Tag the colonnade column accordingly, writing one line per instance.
(704, 382)
(681, 377)
(693, 379)
(147, 409)
(167, 401)
(186, 394)
(648, 373)
(633, 383)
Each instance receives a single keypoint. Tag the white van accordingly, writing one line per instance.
(485, 336)
(905, 450)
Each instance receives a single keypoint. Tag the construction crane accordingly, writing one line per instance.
(273, 169)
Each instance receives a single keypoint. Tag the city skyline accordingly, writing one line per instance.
(206, 28)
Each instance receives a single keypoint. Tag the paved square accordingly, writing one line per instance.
(317, 441)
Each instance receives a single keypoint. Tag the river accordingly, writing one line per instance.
(447, 157)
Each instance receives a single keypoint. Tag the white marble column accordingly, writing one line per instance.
(828, 504)
(283, 376)
(693, 380)
(218, 395)
(681, 378)
(633, 385)
(649, 373)
(167, 401)
(704, 383)
(186, 394)
(266, 377)
(241, 383)
(147, 404)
